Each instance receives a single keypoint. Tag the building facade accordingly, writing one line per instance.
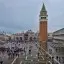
(25, 36)
(56, 45)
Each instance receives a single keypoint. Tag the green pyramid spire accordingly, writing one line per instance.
(43, 8)
(43, 11)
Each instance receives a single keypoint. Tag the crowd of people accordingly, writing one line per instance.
(13, 52)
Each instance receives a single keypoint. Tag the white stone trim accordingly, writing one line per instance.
(42, 16)
(42, 19)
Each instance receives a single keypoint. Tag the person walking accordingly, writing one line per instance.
(38, 55)
(29, 51)
(1, 60)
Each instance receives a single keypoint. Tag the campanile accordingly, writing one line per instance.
(43, 27)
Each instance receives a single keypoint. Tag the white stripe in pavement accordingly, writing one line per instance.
(21, 62)
(43, 58)
(26, 57)
(50, 62)
(14, 60)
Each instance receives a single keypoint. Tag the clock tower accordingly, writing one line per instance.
(43, 27)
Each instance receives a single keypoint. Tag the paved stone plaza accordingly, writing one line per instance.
(24, 56)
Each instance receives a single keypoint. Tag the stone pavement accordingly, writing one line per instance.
(28, 58)
(25, 57)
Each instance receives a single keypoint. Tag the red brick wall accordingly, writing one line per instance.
(43, 31)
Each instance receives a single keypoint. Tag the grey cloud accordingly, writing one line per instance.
(18, 15)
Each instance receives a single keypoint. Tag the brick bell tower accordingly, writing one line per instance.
(43, 27)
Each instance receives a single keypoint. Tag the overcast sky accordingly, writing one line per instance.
(21, 15)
